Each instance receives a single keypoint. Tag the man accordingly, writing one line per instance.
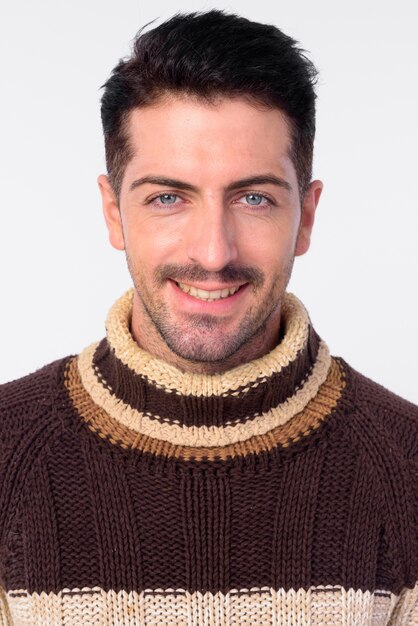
(208, 461)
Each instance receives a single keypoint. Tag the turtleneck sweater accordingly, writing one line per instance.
(283, 491)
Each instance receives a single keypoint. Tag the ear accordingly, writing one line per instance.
(310, 202)
(111, 213)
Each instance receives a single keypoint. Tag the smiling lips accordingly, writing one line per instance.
(208, 296)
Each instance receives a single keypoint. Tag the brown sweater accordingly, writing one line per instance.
(281, 492)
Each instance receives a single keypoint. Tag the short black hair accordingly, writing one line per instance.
(208, 55)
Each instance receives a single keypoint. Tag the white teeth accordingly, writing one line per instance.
(209, 296)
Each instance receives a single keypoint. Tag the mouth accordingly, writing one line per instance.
(209, 296)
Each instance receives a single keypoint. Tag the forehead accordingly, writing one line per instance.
(185, 133)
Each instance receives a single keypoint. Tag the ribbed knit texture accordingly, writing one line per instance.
(283, 491)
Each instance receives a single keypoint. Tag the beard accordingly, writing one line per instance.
(201, 338)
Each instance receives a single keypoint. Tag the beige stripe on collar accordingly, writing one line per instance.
(201, 435)
(170, 378)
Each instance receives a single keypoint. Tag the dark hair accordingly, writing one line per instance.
(208, 55)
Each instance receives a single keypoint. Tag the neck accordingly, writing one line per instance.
(148, 338)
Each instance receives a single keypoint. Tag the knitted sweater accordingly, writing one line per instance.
(283, 491)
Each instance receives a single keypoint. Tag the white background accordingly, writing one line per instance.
(59, 275)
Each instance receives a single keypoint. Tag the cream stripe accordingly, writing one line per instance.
(294, 316)
(5, 617)
(318, 606)
(406, 609)
(202, 435)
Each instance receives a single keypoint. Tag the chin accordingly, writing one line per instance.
(202, 353)
(213, 349)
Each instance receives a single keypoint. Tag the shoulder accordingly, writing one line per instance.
(383, 429)
(29, 420)
(29, 408)
(31, 393)
(377, 411)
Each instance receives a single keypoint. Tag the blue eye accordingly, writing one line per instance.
(254, 198)
(167, 198)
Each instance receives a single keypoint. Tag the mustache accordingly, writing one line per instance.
(228, 274)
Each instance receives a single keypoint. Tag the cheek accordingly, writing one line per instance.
(269, 247)
(152, 242)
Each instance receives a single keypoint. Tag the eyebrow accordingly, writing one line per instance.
(263, 179)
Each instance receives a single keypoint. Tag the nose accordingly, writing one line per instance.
(212, 237)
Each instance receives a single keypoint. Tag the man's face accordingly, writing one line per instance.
(210, 218)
